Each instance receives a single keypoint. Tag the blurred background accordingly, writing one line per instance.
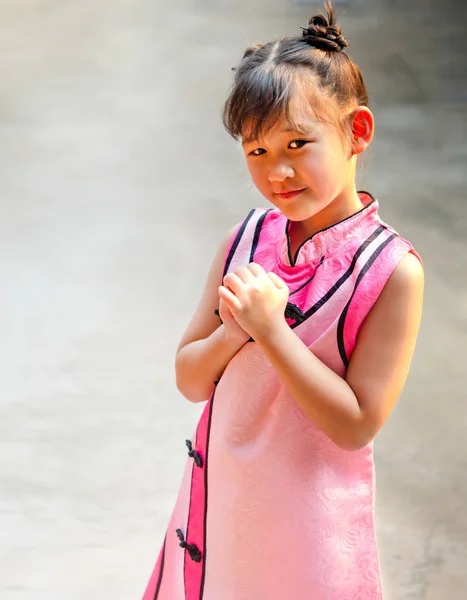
(117, 184)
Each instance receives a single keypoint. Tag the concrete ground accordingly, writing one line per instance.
(117, 183)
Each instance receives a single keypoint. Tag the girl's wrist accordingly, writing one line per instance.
(273, 334)
(231, 340)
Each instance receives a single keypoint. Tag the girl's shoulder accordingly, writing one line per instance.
(399, 241)
(260, 225)
(256, 222)
(260, 215)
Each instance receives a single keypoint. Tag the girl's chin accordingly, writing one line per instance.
(297, 212)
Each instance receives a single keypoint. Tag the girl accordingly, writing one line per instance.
(301, 344)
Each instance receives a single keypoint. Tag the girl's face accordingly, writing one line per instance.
(301, 174)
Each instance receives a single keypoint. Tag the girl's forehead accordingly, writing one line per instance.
(301, 123)
(302, 114)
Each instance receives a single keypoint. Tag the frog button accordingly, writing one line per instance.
(193, 454)
(192, 549)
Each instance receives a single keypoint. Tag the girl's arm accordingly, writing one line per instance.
(207, 346)
(352, 410)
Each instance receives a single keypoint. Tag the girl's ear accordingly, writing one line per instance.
(363, 127)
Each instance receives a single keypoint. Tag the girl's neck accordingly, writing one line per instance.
(343, 206)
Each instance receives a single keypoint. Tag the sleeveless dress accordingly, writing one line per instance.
(269, 507)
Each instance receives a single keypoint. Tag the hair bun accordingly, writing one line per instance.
(323, 34)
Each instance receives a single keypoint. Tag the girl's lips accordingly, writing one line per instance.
(291, 194)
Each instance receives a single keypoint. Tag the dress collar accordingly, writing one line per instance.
(324, 241)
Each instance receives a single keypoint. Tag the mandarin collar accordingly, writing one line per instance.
(327, 240)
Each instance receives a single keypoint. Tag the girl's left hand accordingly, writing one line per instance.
(256, 299)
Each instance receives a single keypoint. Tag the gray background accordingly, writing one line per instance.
(117, 183)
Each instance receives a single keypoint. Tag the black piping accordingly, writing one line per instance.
(206, 453)
(187, 526)
(159, 581)
(259, 226)
(341, 323)
(234, 246)
(289, 251)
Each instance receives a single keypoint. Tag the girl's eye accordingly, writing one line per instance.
(257, 152)
(298, 144)
(294, 145)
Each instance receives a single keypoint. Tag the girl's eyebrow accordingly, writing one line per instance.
(301, 130)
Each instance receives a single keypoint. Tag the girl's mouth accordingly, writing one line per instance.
(287, 195)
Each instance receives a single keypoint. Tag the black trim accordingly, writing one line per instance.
(294, 260)
(322, 301)
(159, 581)
(234, 246)
(206, 453)
(189, 512)
(259, 226)
(341, 323)
(289, 250)
(188, 524)
(308, 280)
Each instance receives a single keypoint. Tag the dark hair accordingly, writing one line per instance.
(268, 75)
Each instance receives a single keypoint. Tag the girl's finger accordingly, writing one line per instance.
(277, 281)
(244, 274)
(229, 298)
(234, 283)
(260, 275)
(257, 270)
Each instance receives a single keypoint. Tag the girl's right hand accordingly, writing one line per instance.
(232, 328)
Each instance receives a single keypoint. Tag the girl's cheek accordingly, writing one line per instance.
(259, 176)
(252, 170)
(257, 181)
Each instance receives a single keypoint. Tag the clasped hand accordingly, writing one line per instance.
(256, 299)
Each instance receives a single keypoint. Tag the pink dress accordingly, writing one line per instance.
(269, 507)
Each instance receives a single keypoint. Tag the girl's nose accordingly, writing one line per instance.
(280, 173)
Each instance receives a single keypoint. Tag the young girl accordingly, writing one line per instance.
(301, 344)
